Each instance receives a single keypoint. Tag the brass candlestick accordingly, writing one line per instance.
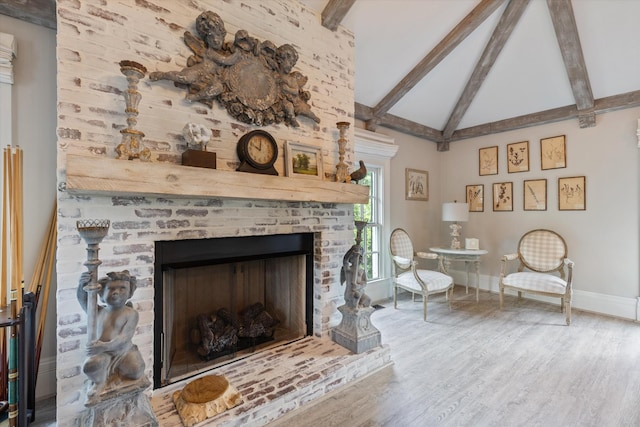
(92, 232)
(130, 147)
(342, 171)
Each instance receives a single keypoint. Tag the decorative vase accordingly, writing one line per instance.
(131, 146)
(342, 171)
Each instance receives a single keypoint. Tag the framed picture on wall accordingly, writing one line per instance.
(518, 157)
(488, 161)
(502, 196)
(572, 193)
(535, 195)
(475, 197)
(416, 184)
(553, 153)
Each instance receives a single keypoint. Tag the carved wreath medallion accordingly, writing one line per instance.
(253, 80)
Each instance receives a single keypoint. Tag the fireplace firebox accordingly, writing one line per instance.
(217, 300)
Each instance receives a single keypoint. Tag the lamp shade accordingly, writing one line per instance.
(455, 212)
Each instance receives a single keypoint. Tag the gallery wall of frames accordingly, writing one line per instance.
(553, 155)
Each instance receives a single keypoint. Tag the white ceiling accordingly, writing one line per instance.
(529, 76)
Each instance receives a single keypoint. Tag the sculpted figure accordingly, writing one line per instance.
(112, 358)
(204, 74)
(196, 135)
(353, 274)
(253, 80)
(294, 100)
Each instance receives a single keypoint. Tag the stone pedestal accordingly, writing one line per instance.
(355, 331)
(127, 406)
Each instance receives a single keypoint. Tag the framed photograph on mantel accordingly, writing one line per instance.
(572, 193)
(303, 161)
(503, 196)
(535, 195)
(475, 198)
(518, 157)
(416, 184)
(553, 153)
(488, 158)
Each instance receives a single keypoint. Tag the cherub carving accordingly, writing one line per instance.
(112, 357)
(353, 274)
(253, 80)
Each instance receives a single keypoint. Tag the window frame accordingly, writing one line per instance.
(377, 150)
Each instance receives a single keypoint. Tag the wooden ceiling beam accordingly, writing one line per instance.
(602, 105)
(334, 12)
(39, 12)
(564, 23)
(364, 113)
(477, 16)
(501, 34)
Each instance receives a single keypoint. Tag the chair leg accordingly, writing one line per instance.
(501, 297)
(568, 311)
(562, 305)
(395, 297)
(450, 298)
(424, 306)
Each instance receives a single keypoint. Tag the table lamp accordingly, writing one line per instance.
(455, 212)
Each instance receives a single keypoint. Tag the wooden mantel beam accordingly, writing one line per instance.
(501, 33)
(334, 12)
(564, 23)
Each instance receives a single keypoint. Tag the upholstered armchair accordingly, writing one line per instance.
(544, 268)
(407, 276)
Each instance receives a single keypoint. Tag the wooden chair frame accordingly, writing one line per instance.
(542, 264)
(404, 264)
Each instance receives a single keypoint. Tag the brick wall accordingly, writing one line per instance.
(93, 37)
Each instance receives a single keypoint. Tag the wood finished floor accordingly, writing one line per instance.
(478, 366)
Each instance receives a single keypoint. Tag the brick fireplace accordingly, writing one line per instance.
(161, 201)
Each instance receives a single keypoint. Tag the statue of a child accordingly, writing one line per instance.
(113, 357)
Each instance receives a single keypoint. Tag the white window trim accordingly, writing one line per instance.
(8, 51)
(377, 149)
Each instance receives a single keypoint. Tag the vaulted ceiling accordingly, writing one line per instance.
(448, 70)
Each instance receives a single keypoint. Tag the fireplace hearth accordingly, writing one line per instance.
(218, 300)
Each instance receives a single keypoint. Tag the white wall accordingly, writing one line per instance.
(34, 130)
(602, 240)
(421, 219)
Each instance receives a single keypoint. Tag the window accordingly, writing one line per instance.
(372, 234)
(376, 150)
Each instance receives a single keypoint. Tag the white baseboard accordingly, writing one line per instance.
(46, 382)
(610, 305)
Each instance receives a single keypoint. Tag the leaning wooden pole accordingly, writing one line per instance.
(18, 226)
(15, 226)
(13, 365)
(4, 278)
(48, 273)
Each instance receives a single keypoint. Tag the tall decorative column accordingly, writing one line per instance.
(355, 331)
(342, 171)
(92, 232)
(130, 147)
